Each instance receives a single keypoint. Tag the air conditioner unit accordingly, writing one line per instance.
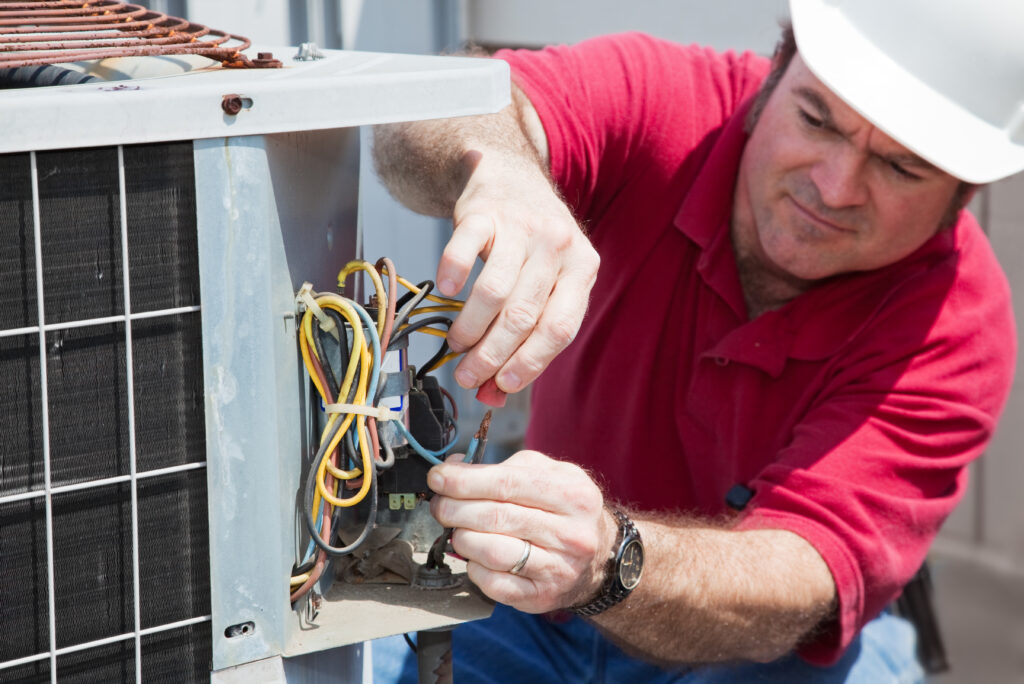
(154, 233)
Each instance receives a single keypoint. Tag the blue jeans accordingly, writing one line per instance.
(512, 647)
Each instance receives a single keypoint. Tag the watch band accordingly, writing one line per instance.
(612, 591)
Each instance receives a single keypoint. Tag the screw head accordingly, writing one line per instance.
(231, 104)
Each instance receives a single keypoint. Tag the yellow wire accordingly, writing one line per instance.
(378, 284)
(435, 309)
(333, 301)
(434, 298)
(360, 355)
(299, 580)
(445, 359)
(364, 451)
(436, 332)
(341, 305)
(305, 348)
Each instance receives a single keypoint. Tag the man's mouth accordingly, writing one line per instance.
(816, 218)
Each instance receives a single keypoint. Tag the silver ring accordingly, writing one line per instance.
(522, 561)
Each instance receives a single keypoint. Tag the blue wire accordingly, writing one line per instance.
(431, 456)
(474, 444)
(311, 549)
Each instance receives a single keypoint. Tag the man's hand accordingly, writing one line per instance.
(528, 302)
(489, 174)
(529, 497)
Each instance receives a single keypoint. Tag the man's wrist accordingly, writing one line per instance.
(622, 568)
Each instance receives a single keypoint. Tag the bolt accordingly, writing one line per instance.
(265, 60)
(231, 104)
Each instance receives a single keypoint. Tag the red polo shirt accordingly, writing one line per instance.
(851, 411)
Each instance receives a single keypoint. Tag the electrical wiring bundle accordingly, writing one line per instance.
(382, 423)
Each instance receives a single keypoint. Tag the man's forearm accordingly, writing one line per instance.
(426, 164)
(713, 595)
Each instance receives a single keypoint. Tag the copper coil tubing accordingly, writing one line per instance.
(39, 32)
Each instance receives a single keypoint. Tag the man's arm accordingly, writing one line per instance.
(489, 173)
(708, 594)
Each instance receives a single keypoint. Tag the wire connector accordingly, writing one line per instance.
(305, 297)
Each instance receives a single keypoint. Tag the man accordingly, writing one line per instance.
(795, 343)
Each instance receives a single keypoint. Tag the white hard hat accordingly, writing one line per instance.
(945, 78)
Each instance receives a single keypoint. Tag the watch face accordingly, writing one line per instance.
(632, 565)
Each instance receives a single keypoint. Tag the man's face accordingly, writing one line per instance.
(822, 192)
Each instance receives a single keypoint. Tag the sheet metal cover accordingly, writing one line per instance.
(342, 89)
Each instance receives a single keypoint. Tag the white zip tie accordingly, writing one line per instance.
(381, 413)
(305, 296)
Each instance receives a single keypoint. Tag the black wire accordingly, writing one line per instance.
(344, 354)
(409, 641)
(350, 449)
(325, 365)
(420, 323)
(347, 352)
(305, 567)
(434, 360)
(427, 285)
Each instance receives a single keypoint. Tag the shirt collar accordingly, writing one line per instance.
(705, 212)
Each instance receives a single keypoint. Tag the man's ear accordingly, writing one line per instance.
(969, 191)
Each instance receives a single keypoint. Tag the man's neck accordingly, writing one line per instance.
(762, 292)
(764, 287)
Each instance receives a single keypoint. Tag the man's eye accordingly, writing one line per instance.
(902, 171)
(812, 121)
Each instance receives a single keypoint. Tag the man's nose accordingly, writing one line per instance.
(840, 180)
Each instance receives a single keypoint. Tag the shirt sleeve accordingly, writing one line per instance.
(616, 105)
(879, 461)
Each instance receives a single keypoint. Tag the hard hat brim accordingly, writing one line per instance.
(903, 107)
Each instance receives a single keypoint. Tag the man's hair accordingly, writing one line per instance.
(783, 55)
(785, 49)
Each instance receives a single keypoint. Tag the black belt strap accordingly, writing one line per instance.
(915, 605)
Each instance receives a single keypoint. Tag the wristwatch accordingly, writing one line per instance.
(624, 569)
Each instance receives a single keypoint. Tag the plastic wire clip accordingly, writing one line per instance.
(305, 297)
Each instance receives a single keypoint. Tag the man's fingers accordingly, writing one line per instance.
(473, 236)
(490, 292)
(556, 329)
(499, 552)
(498, 518)
(512, 590)
(539, 584)
(526, 479)
(515, 322)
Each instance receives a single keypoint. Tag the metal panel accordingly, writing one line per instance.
(272, 211)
